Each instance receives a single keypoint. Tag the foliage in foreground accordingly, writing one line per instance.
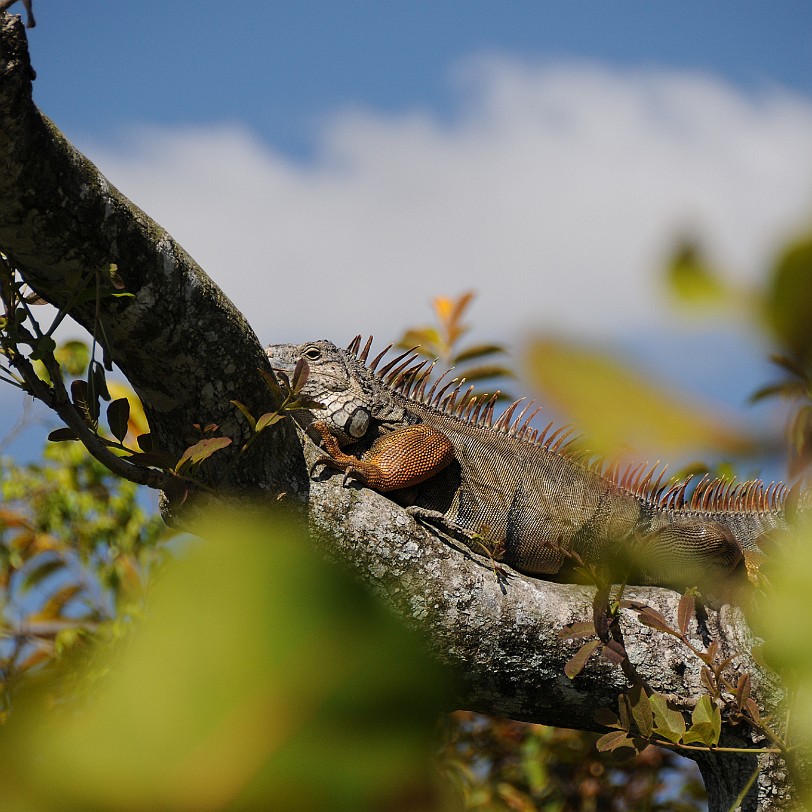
(261, 677)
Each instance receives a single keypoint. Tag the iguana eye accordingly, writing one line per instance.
(312, 353)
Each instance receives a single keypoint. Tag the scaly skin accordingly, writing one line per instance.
(533, 497)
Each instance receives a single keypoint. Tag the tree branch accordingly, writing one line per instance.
(188, 352)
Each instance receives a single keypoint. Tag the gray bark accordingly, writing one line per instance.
(188, 352)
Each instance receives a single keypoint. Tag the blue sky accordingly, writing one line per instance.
(280, 66)
(547, 154)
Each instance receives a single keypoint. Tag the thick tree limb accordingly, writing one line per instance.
(188, 352)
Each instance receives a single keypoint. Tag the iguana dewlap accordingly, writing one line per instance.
(530, 494)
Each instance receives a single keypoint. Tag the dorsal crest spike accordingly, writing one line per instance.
(451, 398)
(390, 378)
(515, 427)
(465, 400)
(564, 440)
(362, 356)
(429, 397)
(354, 345)
(525, 426)
(439, 396)
(423, 381)
(504, 419)
(409, 378)
(377, 359)
(487, 414)
(382, 373)
(543, 433)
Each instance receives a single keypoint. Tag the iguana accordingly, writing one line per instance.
(529, 493)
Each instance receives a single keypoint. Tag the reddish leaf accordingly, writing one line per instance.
(301, 373)
(752, 708)
(743, 690)
(685, 611)
(614, 652)
(574, 631)
(651, 617)
(202, 450)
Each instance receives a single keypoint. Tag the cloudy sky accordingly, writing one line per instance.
(334, 165)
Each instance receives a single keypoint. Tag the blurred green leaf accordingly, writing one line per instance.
(788, 301)
(263, 678)
(73, 357)
(691, 278)
(619, 409)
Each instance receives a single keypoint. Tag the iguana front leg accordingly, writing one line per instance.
(401, 459)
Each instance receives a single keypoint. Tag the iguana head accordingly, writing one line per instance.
(353, 399)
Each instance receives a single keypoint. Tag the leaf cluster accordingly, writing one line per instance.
(441, 341)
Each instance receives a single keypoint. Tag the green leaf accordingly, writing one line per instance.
(118, 416)
(641, 710)
(618, 407)
(273, 385)
(63, 434)
(268, 419)
(89, 407)
(668, 723)
(612, 741)
(201, 451)
(789, 299)
(576, 663)
(305, 403)
(246, 414)
(706, 723)
(691, 277)
(42, 348)
(97, 380)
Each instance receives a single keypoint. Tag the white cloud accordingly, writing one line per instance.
(555, 191)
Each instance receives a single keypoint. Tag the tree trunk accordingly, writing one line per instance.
(187, 353)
